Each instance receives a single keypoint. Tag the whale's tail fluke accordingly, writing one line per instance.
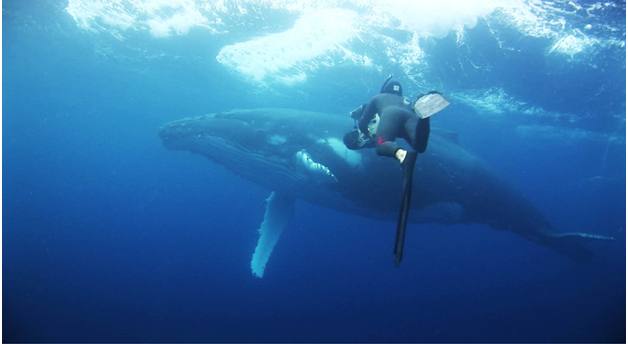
(572, 244)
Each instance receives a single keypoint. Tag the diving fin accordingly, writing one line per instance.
(408, 169)
(429, 104)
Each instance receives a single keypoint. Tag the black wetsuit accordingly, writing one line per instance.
(397, 119)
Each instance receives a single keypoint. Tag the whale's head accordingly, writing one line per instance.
(277, 148)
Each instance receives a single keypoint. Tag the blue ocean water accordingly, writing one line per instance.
(109, 237)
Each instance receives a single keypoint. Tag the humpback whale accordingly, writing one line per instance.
(300, 154)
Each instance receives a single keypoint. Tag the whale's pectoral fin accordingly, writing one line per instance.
(571, 244)
(310, 168)
(279, 211)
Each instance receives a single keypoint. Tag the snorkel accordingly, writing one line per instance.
(386, 83)
(392, 87)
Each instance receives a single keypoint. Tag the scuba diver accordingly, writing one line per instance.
(385, 117)
(392, 116)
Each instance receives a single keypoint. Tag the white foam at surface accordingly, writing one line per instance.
(325, 31)
(313, 35)
(111, 13)
(495, 102)
(430, 18)
(321, 34)
(529, 17)
(569, 45)
(160, 17)
(491, 101)
(180, 23)
(567, 136)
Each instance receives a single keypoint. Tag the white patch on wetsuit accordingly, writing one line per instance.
(373, 124)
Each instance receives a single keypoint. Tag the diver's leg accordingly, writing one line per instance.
(419, 132)
(387, 129)
(409, 126)
(407, 167)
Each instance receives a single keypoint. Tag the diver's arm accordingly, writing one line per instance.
(357, 113)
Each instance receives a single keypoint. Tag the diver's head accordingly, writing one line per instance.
(393, 87)
(353, 140)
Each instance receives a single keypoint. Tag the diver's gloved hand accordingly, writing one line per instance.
(355, 139)
(364, 127)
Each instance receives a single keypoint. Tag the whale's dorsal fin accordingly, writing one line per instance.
(449, 135)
